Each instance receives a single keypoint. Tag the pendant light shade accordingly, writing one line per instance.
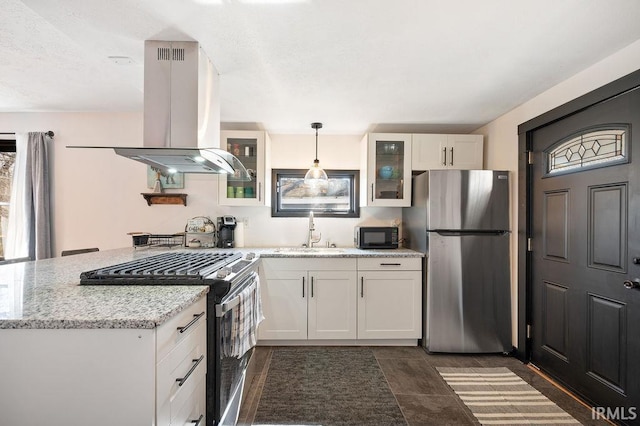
(316, 173)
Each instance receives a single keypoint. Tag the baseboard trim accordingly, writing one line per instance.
(368, 342)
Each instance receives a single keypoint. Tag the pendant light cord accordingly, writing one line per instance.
(316, 126)
(317, 144)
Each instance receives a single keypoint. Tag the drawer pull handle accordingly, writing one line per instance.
(193, 367)
(303, 287)
(391, 264)
(195, 319)
(311, 286)
(361, 287)
(197, 422)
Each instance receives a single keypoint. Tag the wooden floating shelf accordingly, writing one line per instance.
(162, 198)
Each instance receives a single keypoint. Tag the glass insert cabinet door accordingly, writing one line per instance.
(249, 148)
(389, 170)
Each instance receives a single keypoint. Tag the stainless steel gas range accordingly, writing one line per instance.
(228, 274)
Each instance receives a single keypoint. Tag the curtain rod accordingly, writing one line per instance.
(49, 133)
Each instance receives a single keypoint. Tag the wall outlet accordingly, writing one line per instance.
(245, 222)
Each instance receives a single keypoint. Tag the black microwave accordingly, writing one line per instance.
(376, 237)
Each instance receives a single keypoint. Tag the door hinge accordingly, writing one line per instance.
(529, 244)
(529, 157)
(528, 331)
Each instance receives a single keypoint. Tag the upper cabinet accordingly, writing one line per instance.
(387, 163)
(251, 148)
(438, 151)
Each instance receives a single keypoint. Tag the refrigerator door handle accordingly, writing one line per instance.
(457, 233)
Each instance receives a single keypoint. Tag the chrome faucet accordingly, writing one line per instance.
(312, 227)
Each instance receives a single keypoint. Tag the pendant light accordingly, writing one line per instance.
(316, 173)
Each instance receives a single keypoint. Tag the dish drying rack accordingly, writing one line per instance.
(146, 239)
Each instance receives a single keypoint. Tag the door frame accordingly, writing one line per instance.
(525, 183)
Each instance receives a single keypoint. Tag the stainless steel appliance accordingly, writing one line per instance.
(181, 126)
(226, 227)
(460, 219)
(376, 237)
(228, 274)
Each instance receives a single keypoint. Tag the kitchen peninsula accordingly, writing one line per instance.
(75, 354)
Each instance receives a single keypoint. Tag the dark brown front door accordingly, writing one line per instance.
(585, 253)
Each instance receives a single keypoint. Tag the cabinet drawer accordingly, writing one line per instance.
(389, 263)
(168, 334)
(192, 408)
(171, 397)
(309, 263)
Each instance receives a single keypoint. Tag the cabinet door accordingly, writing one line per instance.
(250, 148)
(332, 304)
(442, 151)
(428, 151)
(465, 151)
(284, 305)
(389, 305)
(388, 165)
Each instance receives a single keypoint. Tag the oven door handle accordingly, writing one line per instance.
(225, 307)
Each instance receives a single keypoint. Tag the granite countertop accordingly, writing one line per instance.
(334, 252)
(47, 293)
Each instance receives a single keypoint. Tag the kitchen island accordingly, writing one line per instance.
(99, 355)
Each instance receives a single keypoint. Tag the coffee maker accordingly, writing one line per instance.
(226, 225)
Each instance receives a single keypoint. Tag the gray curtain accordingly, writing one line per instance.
(38, 191)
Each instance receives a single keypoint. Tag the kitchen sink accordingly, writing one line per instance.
(316, 250)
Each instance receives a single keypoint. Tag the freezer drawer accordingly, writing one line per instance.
(468, 297)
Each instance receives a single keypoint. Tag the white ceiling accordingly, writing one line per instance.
(355, 65)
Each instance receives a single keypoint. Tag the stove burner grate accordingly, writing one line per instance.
(184, 266)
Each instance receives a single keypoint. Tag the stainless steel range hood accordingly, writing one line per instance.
(181, 113)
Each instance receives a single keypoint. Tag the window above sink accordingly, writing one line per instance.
(292, 197)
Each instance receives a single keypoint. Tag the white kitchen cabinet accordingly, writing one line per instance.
(104, 376)
(284, 303)
(252, 149)
(332, 304)
(443, 151)
(389, 298)
(386, 160)
(308, 299)
(181, 348)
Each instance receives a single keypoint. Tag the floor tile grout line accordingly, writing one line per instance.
(389, 386)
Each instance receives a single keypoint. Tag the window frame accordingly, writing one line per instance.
(354, 199)
(7, 144)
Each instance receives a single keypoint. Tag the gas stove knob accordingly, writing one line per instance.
(223, 272)
(250, 256)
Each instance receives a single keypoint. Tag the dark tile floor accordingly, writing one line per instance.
(423, 396)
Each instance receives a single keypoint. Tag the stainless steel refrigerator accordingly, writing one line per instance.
(460, 219)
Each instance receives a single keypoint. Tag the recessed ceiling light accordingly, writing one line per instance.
(121, 60)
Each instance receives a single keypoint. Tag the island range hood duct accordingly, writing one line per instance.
(181, 113)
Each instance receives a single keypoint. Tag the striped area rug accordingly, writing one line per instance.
(497, 396)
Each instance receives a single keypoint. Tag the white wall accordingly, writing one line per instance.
(96, 194)
(501, 135)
